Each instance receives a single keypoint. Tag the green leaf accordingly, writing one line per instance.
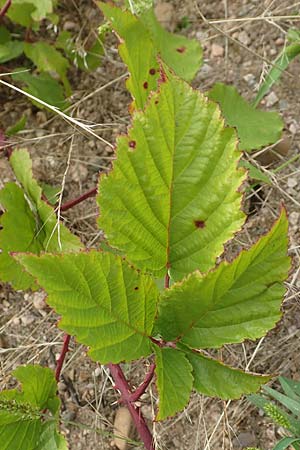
(291, 404)
(22, 413)
(255, 173)
(174, 381)
(237, 301)
(4, 35)
(50, 439)
(255, 128)
(10, 50)
(103, 301)
(18, 126)
(48, 59)
(181, 54)
(29, 224)
(51, 193)
(290, 387)
(26, 12)
(137, 51)
(161, 204)
(286, 443)
(143, 40)
(281, 63)
(215, 379)
(44, 87)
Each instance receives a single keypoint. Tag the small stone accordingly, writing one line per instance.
(250, 79)
(217, 51)
(97, 372)
(244, 38)
(294, 218)
(271, 99)
(293, 128)
(165, 13)
(292, 182)
(245, 439)
(69, 25)
(273, 52)
(279, 41)
(283, 105)
(28, 319)
(61, 386)
(38, 300)
(41, 117)
(16, 321)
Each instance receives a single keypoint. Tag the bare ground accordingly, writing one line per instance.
(28, 327)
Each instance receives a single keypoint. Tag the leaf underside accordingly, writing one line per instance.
(103, 301)
(171, 200)
(29, 224)
(255, 128)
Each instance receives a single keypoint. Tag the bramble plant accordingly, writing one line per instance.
(50, 59)
(170, 203)
(290, 401)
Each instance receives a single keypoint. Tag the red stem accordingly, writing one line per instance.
(91, 193)
(143, 386)
(5, 8)
(122, 385)
(60, 361)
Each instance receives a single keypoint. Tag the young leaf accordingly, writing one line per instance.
(23, 421)
(143, 40)
(237, 301)
(29, 224)
(137, 51)
(255, 128)
(255, 173)
(44, 87)
(215, 379)
(174, 185)
(48, 59)
(103, 301)
(182, 55)
(174, 381)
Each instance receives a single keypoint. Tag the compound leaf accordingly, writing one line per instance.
(238, 300)
(255, 128)
(29, 224)
(215, 379)
(23, 420)
(174, 381)
(103, 301)
(143, 40)
(171, 200)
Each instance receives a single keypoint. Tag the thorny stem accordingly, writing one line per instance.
(5, 8)
(91, 193)
(143, 386)
(122, 385)
(60, 361)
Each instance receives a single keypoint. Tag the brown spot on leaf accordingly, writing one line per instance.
(199, 223)
(132, 144)
(145, 85)
(156, 102)
(181, 49)
(136, 288)
(152, 71)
